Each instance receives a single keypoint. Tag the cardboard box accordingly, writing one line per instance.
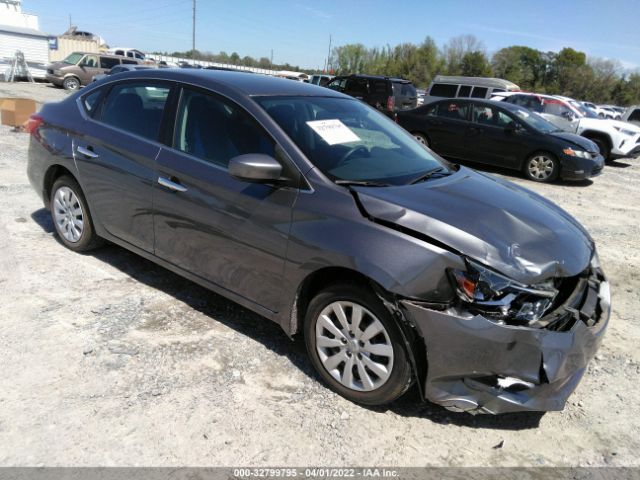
(16, 111)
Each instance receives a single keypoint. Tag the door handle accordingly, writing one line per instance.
(87, 152)
(171, 185)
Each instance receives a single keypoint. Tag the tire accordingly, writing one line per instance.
(603, 146)
(71, 83)
(71, 216)
(376, 378)
(541, 167)
(421, 138)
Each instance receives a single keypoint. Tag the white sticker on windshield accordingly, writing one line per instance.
(333, 131)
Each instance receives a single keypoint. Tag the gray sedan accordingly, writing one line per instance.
(314, 210)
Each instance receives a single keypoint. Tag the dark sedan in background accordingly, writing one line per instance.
(318, 212)
(504, 135)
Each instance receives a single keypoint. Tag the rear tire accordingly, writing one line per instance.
(359, 354)
(541, 167)
(421, 138)
(71, 216)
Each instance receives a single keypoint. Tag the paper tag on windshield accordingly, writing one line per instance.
(333, 131)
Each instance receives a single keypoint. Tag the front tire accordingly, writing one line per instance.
(356, 346)
(71, 216)
(71, 83)
(541, 167)
(603, 146)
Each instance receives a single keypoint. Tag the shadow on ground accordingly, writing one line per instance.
(271, 335)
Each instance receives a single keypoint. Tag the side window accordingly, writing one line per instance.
(635, 116)
(453, 110)
(553, 107)
(129, 62)
(130, 54)
(464, 91)
(357, 86)
(91, 101)
(108, 62)
(337, 84)
(119, 52)
(378, 87)
(443, 90)
(136, 107)
(504, 119)
(432, 110)
(481, 92)
(215, 130)
(484, 115)
(90, 61)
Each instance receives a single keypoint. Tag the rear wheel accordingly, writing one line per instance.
(71, 216)
(541, 167)
(355, 345)
(71, 83)
(421, 138)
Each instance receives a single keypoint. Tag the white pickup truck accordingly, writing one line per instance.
(615, 139)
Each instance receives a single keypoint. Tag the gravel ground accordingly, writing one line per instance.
(108, 359)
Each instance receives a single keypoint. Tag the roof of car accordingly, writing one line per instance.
(241, 82)
(375, 77)
(482, 101)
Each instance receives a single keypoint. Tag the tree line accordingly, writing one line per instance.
(567, 72)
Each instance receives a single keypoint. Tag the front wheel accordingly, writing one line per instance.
(603, 146)
(541, 167)
(355, 345)
(71, 83)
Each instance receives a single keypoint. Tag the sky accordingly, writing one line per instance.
(298, 31)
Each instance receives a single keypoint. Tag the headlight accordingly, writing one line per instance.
(626, 131)
(576, 153)
(57, 72)
(500, 298)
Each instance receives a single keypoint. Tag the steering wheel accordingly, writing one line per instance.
(350, 152)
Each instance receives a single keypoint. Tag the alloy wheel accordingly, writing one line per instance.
(421, 139)
(541, 167)
(354, 346)
(68, 214)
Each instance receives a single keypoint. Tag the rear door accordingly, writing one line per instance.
(224, 230)
(447, 125)
(116, 156)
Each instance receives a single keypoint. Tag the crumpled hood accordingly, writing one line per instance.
(578, 140)
(495, 222)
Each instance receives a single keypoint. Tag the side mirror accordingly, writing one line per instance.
(255, 167)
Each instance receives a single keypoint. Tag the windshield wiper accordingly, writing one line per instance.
(429, 174)
(361, 183)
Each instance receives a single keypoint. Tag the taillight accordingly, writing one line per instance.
(33, 123)
(391, 103)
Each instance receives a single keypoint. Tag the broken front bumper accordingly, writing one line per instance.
(477, 365)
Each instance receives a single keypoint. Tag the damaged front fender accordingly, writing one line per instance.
(480, 366)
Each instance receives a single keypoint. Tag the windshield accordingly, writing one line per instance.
(73, 59)
(350, 141)
(534, 120)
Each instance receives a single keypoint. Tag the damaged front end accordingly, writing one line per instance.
(502, 346)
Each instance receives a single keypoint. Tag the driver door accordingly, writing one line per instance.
(89, 66)
(227, 231)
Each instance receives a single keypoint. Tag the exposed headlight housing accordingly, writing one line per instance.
(500, 298)
(576, 153)
(626, 131)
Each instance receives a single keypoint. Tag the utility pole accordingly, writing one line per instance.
(271, 61)
(329, 57)
(193, 31)
(69, 20)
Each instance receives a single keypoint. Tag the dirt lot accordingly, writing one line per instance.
(108, 359)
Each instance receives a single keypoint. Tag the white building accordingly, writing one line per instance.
(19, 31)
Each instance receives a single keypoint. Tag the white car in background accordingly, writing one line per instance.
(614, 138)
(610, 111)
(599, 111)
